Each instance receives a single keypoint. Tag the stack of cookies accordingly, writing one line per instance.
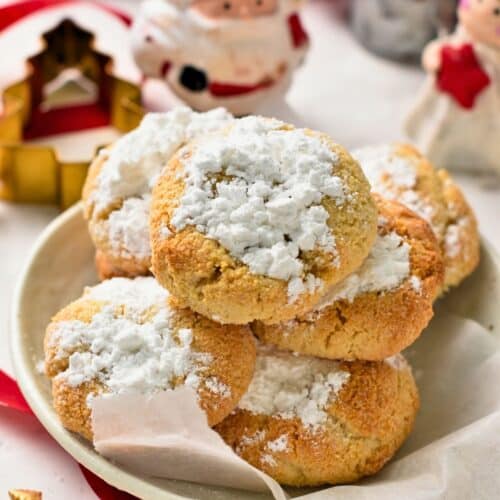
(285, 287)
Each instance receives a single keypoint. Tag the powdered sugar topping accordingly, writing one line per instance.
(289, 386)
(397, 362)
(215, 386)
(128, 228)
(268, 459)
(257, 190)
(131, 344)
(132, 166)
(416, 284)
(251, 440)
(136, 159)
(278, 444)
(452, 237)
(394, 177)
(385, 268)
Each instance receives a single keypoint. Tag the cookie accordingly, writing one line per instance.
(401, 173)
(123, 336)
(255, 222)
(382, 307)
(117, 192)
(309, 421)
(461, 245)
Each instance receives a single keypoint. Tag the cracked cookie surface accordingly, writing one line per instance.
(382, 307)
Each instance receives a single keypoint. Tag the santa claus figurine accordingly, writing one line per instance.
(456, 121)
(231, 53)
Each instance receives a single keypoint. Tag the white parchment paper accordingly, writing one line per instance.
(453, 452)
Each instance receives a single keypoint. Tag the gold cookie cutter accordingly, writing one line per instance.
(34, 173)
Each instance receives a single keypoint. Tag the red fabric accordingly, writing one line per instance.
(12, 397)
(220, 89)
(461, 75)
(12, 13)
(299, 35)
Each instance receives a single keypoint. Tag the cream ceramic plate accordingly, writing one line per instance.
(61, 264)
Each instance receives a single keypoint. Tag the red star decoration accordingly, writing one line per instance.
(461, 75)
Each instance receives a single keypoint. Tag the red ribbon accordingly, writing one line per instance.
(11, 397)
(14, 12)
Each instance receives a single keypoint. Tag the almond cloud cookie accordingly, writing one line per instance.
(124, 336)
(117, 192)
(399, 172)
(382, 307)
(308, 421)
(254, 222)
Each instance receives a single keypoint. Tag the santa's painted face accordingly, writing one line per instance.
(235, 9)
(481, 19)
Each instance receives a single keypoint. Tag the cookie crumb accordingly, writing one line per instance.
(25, 495)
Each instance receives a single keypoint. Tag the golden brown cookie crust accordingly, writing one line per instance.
(109, 262)
(110, 266)
(449, 207)
(374, 325)
(428, 186)
(233, 359)
(369, 420)
(202, 273)
(462, 261)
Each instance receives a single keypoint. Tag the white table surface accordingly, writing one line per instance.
(341, 89)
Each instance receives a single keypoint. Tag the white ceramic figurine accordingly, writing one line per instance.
(230, 53)
(456, 121)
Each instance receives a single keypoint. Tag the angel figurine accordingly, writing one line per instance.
(456, 121)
